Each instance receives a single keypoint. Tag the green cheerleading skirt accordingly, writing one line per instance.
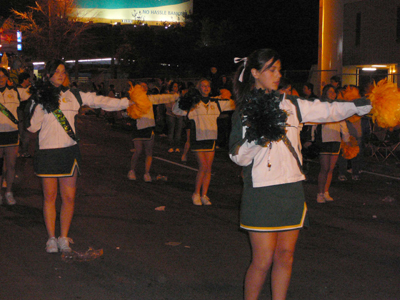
(273, 208)
(60, 162)
(9, 139)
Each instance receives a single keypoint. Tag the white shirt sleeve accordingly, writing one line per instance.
(37, 119)
(103, 102)
(163, 98)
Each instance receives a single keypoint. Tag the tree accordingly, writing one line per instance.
(50, 30)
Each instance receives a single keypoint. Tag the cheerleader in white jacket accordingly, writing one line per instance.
(265, 140)
(203, 113)
(57, 158)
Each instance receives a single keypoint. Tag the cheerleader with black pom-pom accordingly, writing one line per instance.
(57, 158)
(202, 112)
(265, 140)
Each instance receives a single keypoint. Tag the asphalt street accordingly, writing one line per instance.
(157, 245)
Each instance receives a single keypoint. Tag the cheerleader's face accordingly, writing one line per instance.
(268, 78)
(59, 76)
(331, 94)
(205, 88)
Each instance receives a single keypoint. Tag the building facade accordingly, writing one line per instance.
(359, 41)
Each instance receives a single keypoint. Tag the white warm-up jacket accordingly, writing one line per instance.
(52, 135)
(205, 116)
(275, 164)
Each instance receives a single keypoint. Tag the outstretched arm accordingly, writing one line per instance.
(104, 102)
(322, 112)
(163, 98)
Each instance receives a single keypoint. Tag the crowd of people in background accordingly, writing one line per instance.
(176, 126)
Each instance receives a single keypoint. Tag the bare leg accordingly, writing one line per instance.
(332, 163)
(187, 146)
(148, 150)
(282, 264)
(11, 154)
(203, 178)
(200, 174)
(324, 160)
(68, 192)
(270, 248)
(209, 156)
(49, 204)
(136, 154)
(263, 246)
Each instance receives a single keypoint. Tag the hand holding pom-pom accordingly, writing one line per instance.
(263, 117)
(140, 103)
(46, 94)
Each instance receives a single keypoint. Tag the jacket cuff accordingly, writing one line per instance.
(362, 102)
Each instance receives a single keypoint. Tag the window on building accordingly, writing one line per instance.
(367, 78)
(358, 29)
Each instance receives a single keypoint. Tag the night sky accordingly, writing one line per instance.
(288, 26)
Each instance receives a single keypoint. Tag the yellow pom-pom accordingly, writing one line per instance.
(350, 151)
(140, 103)
(385, 100)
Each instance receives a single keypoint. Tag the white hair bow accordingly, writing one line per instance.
(238, 60)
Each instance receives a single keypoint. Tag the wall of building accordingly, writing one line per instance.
(378, 37)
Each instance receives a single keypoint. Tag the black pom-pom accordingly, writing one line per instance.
(264, 119)
(191, 98)
(47, 95)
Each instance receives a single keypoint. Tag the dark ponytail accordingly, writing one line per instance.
(256, 60)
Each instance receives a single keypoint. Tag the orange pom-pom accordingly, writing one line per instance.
(294, 92)
(225, 94)
(350, 151)
(350, 93)
(385, 100)
(140, 103)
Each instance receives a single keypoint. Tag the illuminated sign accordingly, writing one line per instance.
(10, 40)
(129, 11)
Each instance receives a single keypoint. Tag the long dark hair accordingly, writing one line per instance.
(52, 65)
(256, 60)
(171, 85)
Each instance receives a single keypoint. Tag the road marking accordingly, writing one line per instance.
(368, 172)
(382, 175)
(174, 163)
